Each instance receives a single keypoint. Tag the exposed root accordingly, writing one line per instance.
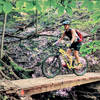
(5, 76)
(10, 69)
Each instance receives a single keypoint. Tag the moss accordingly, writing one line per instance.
(20, 71)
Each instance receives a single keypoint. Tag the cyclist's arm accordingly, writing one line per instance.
(73, 35)
(63, 35)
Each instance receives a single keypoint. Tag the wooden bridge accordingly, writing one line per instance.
(28, 87)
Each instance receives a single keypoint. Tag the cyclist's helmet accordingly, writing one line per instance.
(67, 22)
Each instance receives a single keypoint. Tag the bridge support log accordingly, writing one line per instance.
(40, 85)
(28, 87)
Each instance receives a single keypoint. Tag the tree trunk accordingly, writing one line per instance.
(2, 38)
(36, 21)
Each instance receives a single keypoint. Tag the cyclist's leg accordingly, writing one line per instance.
(69, 55)
(76, 54)
(76, 46)
(69, 52)
(78, 65)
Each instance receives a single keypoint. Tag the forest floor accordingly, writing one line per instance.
(29, 53)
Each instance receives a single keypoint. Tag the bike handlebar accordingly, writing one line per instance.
(55, 47)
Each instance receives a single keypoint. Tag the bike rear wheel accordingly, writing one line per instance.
(84, 67)
(51, 66)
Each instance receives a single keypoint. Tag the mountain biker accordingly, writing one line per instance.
(74, 43)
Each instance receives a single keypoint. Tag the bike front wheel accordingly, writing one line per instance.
(81, 71)
(51, 66)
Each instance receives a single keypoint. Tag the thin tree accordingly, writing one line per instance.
(2, 38)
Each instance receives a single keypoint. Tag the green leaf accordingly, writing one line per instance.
(1, 8)
(7, 7)
(69, 10)
(97, 5)
(46, 4)
(94, 49)
(11, 73)
(83, 55)
(97, 42)
(19, 4)
(72, 4)
(60, 9)
(1, 1)
(94, 30)
(29, 6)
(53, 3)
(96, 18)
(96, 13)
(84, 3)
(38, 7)
(89, 4)
(65, 3)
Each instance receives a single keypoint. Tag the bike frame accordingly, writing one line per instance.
(64, 53)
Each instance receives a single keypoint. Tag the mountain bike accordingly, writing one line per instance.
(51, 65)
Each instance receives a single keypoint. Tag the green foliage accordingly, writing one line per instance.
(21, 72)
(5, 98)
(29, 6)
(1, 9)
(24, 6)
(1, 1)
(1, 23)
(19, 4)
(10, 24)
(16, 67)
(69, 5)
(72, 4)
(5, 6)
(53, 3)
(94, 30)
(97, 4)
(60, 9)
(96, 16)
(94, 8)
(45, 5)
(69, 10)
(90, 47)
(88, 4)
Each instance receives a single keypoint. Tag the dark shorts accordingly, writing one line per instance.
(76, 46)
